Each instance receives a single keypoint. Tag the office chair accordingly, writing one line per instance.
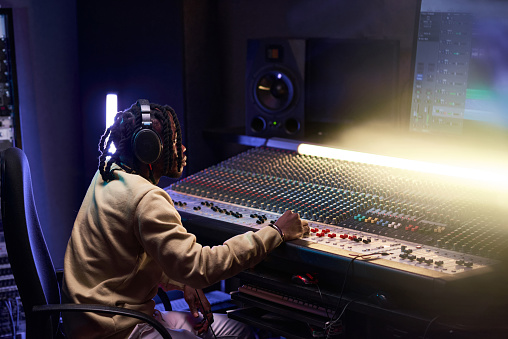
(30, 260)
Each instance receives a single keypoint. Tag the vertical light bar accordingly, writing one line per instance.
(111, 110)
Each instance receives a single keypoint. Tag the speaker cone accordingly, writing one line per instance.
(274, 91)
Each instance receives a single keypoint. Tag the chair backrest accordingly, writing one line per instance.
(29, 257)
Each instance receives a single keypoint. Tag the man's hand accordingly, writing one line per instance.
(197, 301)
(292, 226)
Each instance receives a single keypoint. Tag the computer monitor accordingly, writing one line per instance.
(460, 85)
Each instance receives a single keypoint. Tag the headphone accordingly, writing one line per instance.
(146, 143)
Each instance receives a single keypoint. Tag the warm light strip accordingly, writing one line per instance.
(500, 180)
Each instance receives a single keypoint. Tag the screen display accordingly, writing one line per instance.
(460, 84)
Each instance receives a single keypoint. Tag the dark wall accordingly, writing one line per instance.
(134, 50)
(45, 36)
(203, 81)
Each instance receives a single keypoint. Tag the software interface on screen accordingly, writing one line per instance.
(461, 68)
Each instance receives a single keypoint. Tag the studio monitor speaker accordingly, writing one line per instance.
(274, 88)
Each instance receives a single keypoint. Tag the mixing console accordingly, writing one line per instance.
(432, 223)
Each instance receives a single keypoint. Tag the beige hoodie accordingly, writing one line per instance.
(127, 240)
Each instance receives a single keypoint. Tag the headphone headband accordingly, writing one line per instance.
(144, 106)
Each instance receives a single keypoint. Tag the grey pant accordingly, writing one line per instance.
(181, 326)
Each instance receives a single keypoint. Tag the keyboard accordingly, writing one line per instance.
(285, 300)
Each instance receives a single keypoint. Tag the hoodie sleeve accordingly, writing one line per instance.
(185, 261)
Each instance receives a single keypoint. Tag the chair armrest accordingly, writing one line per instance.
(55, 308)
(165, 299)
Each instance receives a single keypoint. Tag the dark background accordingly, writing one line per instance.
(188, 54)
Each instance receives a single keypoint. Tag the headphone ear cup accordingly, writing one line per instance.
(146, 145)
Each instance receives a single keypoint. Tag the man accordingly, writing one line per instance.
(128, 238)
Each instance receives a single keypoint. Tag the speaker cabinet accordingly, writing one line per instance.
(274, 88)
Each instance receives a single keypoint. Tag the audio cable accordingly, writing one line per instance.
(350, 264)
(152, 179)
(329, 325)
(428, 326)
(18, 306)
(347, 272)
(322, 300)
(205, 314)
(8, 305)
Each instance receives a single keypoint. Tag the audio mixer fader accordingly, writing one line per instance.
(423, 222)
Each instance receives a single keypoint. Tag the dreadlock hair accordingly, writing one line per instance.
(121, 132)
